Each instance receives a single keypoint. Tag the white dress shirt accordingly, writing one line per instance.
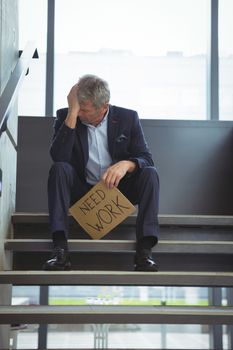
(99, 157)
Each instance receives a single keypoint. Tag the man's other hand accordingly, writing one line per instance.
(116, 172)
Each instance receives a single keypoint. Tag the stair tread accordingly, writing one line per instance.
(75, 277)
(73, 314)
(164, 246)
(164, 219)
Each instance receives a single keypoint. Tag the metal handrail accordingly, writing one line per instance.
(11, 90)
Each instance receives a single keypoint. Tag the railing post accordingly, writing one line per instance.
(230, 328)
(216, 333)
(43, 328)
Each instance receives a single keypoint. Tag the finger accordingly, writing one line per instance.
(104, 177)
(116, 180)
(110, 180)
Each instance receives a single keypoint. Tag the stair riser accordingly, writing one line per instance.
(125, 261)
(42, 231)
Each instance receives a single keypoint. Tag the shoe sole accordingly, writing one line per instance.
(146, 269)
(65, 268)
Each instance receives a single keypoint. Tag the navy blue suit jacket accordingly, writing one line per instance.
(125, 140)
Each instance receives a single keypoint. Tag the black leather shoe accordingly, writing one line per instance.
(59, 261)
(145, 262)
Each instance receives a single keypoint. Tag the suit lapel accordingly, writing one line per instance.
(81, 130)
(113, 124)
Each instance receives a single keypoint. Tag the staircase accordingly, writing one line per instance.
(193, 251)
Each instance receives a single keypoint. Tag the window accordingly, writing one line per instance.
(152, 53)
(225, 60)
(33, 27)
(137, 336)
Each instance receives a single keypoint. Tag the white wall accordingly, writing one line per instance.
(8, 58)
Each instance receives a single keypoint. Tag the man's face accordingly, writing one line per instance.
(90, 114)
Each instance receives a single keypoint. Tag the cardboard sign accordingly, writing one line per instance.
(101, 209)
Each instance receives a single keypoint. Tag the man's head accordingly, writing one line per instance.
(93, 96)
(94, 89)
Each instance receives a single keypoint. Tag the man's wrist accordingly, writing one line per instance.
(131, 166)
(71, 120)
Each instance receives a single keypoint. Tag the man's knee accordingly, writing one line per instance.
(150, 174)
(60, 168)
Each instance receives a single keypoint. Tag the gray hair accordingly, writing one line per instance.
(94, 89)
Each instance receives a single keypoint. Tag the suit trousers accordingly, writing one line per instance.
(141, 188)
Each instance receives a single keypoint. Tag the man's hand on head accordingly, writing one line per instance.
(116, 172)
(73, 107)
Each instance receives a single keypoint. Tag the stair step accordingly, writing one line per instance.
(128, 278)
(164, 246)
(187, 220)
(115, 314)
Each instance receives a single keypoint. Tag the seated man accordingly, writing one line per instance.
(95, 141)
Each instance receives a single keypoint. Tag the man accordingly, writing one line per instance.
(95, 141)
